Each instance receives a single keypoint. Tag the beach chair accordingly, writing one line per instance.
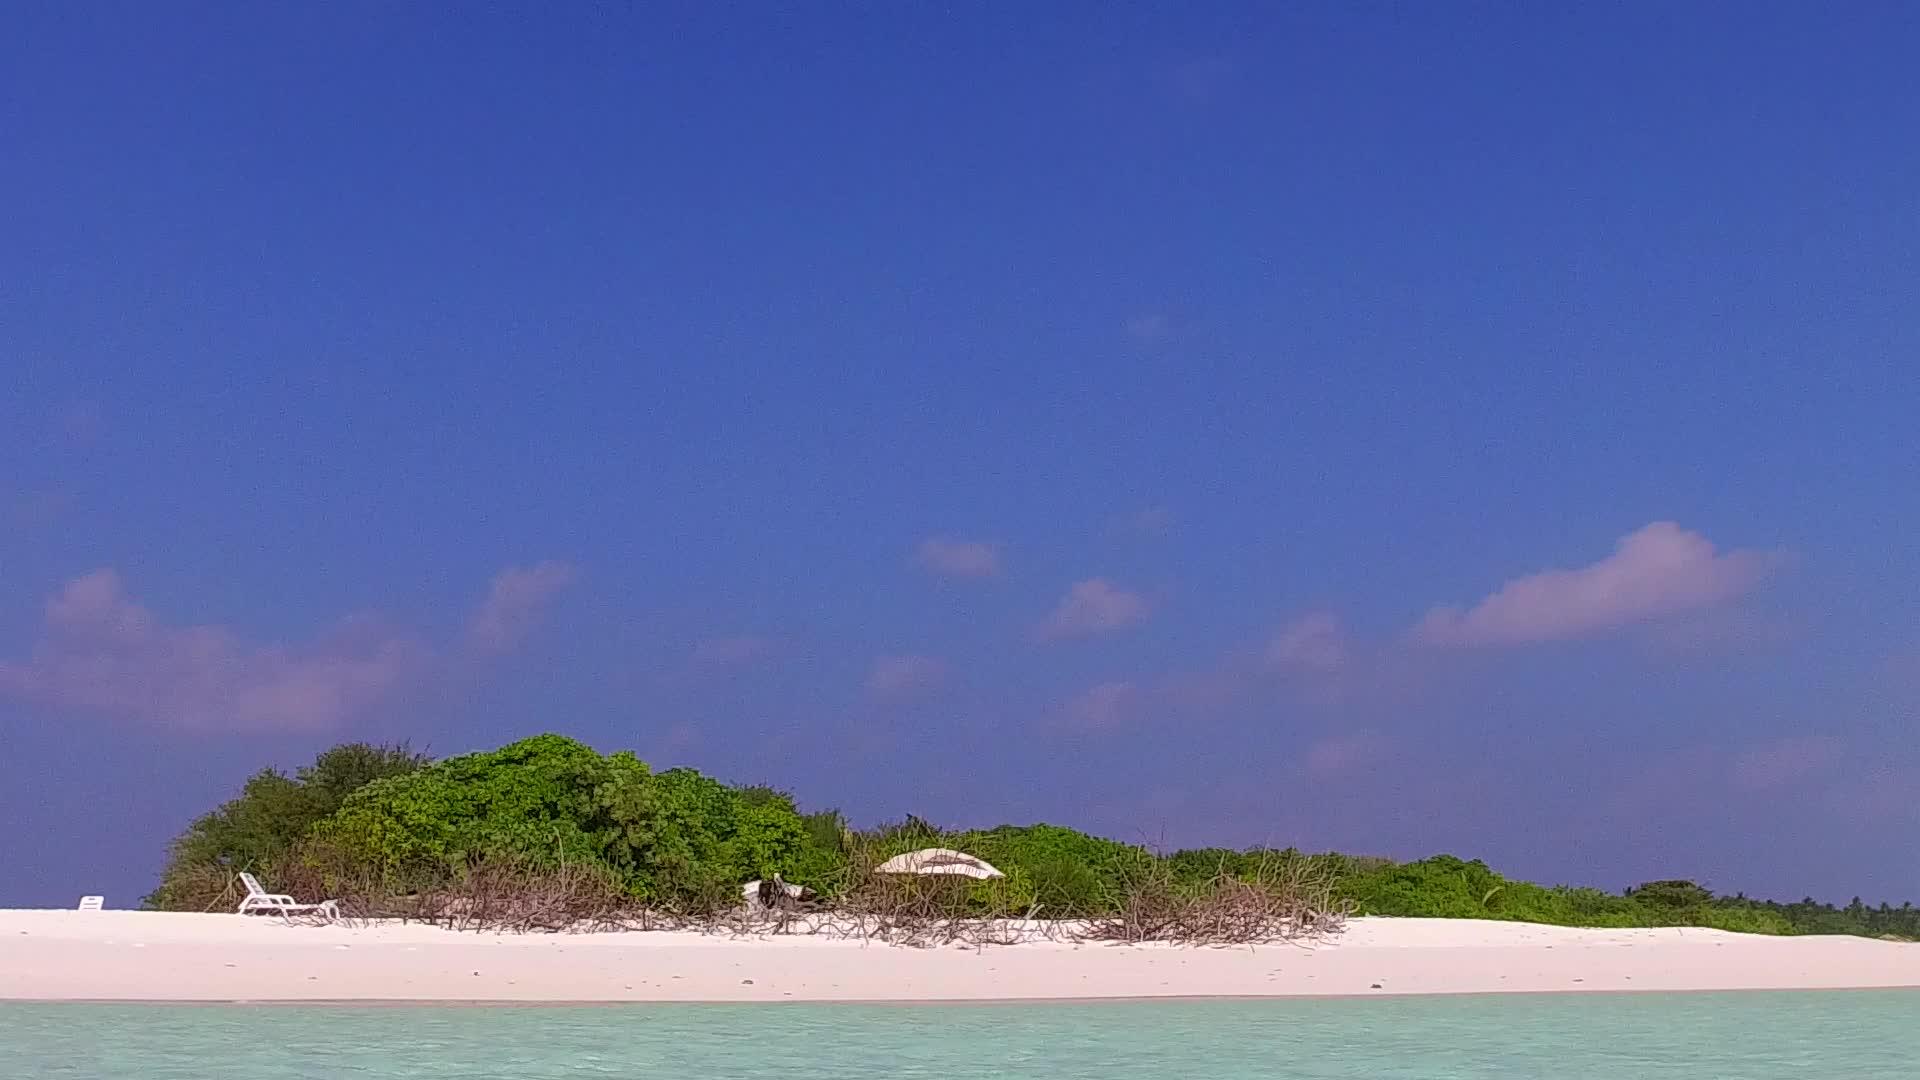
(92, 903)
(259, 899)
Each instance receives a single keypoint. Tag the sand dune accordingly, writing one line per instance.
(141, 956)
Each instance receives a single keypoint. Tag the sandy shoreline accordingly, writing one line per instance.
(149, 957)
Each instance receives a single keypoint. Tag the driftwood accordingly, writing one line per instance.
(1294, 902)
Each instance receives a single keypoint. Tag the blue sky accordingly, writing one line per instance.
(1399, 429)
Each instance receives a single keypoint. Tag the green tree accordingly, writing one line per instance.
(271, 814)
(676, 838)
(1671, 895)
(1067, 872)
(538, 800)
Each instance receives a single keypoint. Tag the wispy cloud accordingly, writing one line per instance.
(1659, 571)
(102, 652)
(1149, 326)
(1314, 642)
(1102, 707)
(515, 604)
(902, 678)
(1343, 753)
(1308, 661)
(1094, 606)
(959, 558)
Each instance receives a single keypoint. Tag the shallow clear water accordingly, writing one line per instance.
(1858, 1036)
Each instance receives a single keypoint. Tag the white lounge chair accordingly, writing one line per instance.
(92, 903)
(259, 899)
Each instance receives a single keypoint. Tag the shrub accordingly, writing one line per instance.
(258, 829)
(1743, 920)
(534, 799)
(1199, 866)
(690, 840)
(677, 838)
(1440, 887)
(824, 860)
(1672, 895)
(1070, 874)
(547, 826)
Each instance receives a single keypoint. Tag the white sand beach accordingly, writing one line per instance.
(145, 956)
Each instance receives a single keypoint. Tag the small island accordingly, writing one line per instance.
(547, 871)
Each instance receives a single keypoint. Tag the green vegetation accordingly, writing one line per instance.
(1447, 887)
(272, 814)
(385, 818)
(676, 838)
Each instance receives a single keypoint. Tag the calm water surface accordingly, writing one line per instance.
(1857, 1036)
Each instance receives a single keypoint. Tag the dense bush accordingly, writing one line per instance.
(690, 839)
(824, 861)
(1066, 873)
(536, 799)
(1197, 866)
(1448, 887)
(1441, 887)
(675, 837)
(1671, 895)
(382, 821)
(259, 828)
(1451, 888)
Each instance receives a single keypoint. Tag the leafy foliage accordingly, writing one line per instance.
(688, 838)
(679, 840)
(676, 837)
(535, 799)
(1050, 870)
(1196, 866)
(1448, 887)
(1070, 873)
(1672, 895)
(273, 811)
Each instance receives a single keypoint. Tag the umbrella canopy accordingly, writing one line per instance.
(938, 861)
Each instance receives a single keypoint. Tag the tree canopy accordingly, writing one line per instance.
(675, 836)
(272, 813)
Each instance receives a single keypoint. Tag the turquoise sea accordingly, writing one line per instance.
(1857, 1036)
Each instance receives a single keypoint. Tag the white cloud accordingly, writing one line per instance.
(1095, 606)
(960, 558)
(1342, 753)
(899, 678)
(1658, 571)
(1104, 706)
(1150, 326)
(1315, 642)
(515, 603)
(102, 652)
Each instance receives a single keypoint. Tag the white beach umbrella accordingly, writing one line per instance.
(938, 861)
